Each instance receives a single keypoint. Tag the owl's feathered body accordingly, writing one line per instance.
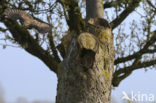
(27, 20)
(95, 26)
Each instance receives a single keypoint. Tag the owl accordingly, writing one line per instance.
(27, 20)
(99, 22)
(100, 28)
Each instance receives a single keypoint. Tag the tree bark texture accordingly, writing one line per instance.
(85, 75)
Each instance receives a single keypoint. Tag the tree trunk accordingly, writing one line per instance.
(85, 75)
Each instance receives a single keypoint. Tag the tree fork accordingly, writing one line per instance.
(85, 74)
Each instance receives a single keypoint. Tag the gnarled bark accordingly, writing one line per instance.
(85, 75)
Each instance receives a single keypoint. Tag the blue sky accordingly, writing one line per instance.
(23, 75)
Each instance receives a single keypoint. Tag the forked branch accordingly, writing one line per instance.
(122, 73)
(132, 6)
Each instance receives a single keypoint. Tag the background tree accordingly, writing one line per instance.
(84, 67)
(2, 100)
(22, 100)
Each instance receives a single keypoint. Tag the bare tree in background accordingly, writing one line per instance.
(1, 94)
(22, 100)
(84, 58)
(42, 101)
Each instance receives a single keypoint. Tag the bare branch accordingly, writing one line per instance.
(75, 21)
(140, 52)
(150, 3)
(122, 73)
(53, 48)
(3, 30)
(125, 13)
(109, 4)
(23, 37)
(64, 11)
(61, 49)
(112, 3)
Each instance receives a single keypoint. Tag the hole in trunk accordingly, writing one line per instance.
(87, 58)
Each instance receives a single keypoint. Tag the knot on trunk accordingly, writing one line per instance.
(88, 41)
(89, 46)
